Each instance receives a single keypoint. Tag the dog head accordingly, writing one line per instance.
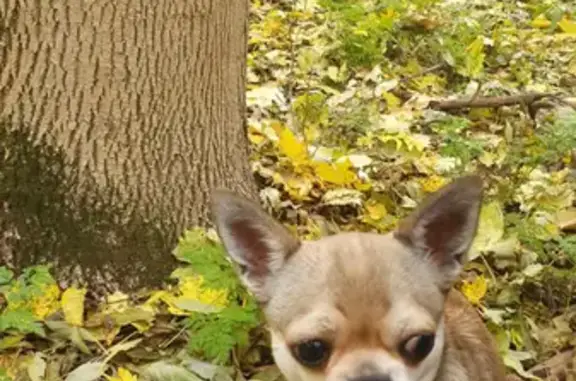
(355, 306)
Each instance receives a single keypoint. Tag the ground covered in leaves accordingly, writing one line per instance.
(357, 110)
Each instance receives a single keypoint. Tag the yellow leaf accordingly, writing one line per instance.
(123, 375)
(47, 303)
(567, 26)
(362, 186)
(10, 342)
(312, 133)
(475, 290)
(338, 173)
(194, 288)
(299, 187)
(292, 147)
(255, 136)
(432, 183)
(191, 296)
(376, 211)
(540, 22)
(572, 68)
(391, 100)
(474, 60)
(73, 305)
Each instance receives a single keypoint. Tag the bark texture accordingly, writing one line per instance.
(117, 118)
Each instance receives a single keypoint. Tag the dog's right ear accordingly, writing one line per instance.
(257, 243)
(444, 226)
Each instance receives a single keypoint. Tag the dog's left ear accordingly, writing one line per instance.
(443, 228)
(255, 241)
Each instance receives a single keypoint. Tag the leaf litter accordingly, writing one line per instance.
(347, 134)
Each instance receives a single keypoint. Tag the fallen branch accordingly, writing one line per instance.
(490, 102)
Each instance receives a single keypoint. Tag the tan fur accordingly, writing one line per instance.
(469, 343)
(366, 294)
(353, 273)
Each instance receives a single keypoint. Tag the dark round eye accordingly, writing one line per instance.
(312, 353)
(417, 347)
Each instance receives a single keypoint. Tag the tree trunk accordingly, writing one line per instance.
(118, 117)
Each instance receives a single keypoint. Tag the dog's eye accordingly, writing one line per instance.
(417, 347)
(312, 353)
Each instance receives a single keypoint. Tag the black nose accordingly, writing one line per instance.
(372, 377)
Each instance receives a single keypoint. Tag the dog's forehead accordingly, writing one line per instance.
(358, 273)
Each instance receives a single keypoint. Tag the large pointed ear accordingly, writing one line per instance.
(443, 228)
(255, 241)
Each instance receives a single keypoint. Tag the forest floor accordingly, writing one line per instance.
(357, 110)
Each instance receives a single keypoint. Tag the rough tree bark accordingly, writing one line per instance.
(117, 118)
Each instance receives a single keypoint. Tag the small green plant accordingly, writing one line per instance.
(533, 236)
(455, 143)
(558, 138)
(310, 110)
(568, 246)
(27, 297)
(462, 47)
(213, 335)
(362, 30)
(548, 145)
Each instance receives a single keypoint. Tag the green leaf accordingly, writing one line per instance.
(20, 320)
(6, 275)
(215, 335)
(475, 57)
(489, 237)
(208, 260)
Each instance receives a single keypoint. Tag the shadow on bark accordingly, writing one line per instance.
(47, 216)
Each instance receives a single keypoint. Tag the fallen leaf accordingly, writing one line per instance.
(10, 341)
(66, 331)
(567, 26)
(357, 160)
(123, 374)
(73, 305)
(341, 197)
(533, 270)
(338, 173)
(165, 371)
(90, 371)
(37, 368)
(475, 290)
(121, 347)
(194, 305)
(490, 229)
(513, 359)
(541, 22)
(566, 219)
(292, 147)
(376, 211)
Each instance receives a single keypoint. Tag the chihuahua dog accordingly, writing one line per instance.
(363, 306)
